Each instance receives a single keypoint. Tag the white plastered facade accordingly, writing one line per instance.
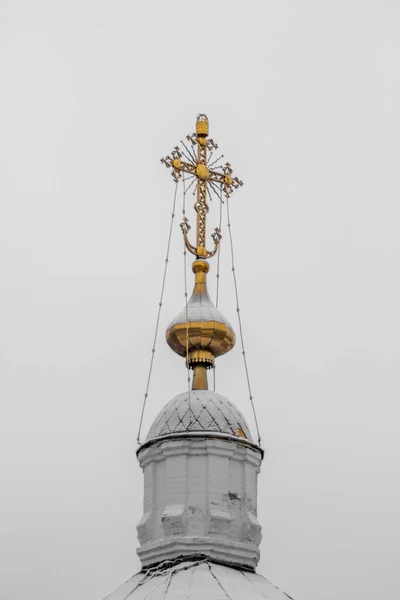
(200, 498)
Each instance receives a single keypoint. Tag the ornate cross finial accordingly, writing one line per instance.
(208, 178)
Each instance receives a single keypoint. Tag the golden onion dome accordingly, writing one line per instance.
(200, 332)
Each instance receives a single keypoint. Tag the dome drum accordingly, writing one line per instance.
(200, 469)
(200, 500)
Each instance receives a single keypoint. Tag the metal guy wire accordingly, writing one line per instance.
(186, 294)
(158, 315)
(240, 321)
(218, 262)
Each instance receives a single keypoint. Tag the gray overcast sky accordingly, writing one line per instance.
(304, 98)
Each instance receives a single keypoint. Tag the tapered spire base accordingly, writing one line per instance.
(200, 377)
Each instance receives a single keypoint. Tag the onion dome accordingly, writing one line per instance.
(200, 332)
(199, 411)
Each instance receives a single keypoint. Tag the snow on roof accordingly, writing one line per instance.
(203, 410)
(196, 581)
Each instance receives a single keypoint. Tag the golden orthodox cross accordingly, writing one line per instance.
(200, 167)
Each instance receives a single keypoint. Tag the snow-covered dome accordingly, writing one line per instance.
(200, 411)
(200, 308)
(195, 581)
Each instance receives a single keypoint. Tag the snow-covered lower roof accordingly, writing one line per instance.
(198, 581)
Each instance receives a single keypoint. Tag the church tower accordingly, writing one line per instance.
(199, 535)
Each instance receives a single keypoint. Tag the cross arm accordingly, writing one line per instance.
(225, 179)
(177, 165)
